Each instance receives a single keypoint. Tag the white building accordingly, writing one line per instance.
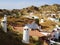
(31, 15)
(56, 33)
(53, 19)
(34, 26)
(53, 15)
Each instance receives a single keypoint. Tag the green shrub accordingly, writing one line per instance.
(59, 19)
(37, 21)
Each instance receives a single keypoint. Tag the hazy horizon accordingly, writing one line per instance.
(19, 4)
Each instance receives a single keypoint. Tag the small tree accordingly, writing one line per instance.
(37, 21)
(59, 19)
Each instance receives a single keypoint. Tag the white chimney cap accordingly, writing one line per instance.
(55, 29)
(57, 26)
(26, 27)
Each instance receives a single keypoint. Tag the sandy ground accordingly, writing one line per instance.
(32, 32)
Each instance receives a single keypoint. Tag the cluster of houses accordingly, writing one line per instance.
(55, 34)
(32, 25)
(51, 13)
(51, 17)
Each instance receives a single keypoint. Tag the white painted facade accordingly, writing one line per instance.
(56, 33)
(45, 33)
(53, 14)
(33, 25)
(53, 19)
(31, 16)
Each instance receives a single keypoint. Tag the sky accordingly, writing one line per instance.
(19, 4)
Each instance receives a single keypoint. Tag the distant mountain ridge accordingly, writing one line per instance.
(53, 8)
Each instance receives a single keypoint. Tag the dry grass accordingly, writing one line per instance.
(47, 25)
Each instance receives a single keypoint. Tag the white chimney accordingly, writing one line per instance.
(5, 17)
(26, 34)
(57, 26)
(42, 20)
(4, 23)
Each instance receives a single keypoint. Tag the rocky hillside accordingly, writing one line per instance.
(54, 8)
(37, 10)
